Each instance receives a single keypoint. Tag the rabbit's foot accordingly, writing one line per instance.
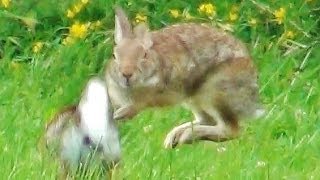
(189, 134)
(174, 136)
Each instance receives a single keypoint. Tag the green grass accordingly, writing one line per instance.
(33, 86)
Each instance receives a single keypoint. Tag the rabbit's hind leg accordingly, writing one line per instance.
(202, 129)
(204, 132)
(173, 137)
(226, 128)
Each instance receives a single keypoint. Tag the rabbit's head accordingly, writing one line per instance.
(135, 61)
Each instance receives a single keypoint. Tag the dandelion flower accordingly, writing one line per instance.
(279, 15)
(208, 9)
(67, 40)
(77, 8)
(253, 22)
(174, 13)
(97, 23)
(140, 18)
(70, 14)
(289, 34)
(78, 30)
(233, 16)
(37, 47)
(84, 1)
(5, 3)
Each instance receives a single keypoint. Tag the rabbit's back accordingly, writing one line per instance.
(197, 42)
(207, 63)
(188, 51)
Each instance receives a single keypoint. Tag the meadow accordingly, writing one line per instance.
(49, 49)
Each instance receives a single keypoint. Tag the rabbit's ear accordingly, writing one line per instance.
(141, 32)
(122, 26)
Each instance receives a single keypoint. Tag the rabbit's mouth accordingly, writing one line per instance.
(127, 82)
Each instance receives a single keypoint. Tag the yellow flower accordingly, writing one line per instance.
(67, 40)
(279, 15)
(84, 1)
(208, 9)
(70, 14)
(97, 23)
(140, 18)
(5, 3)
(77, 8)
(174, 13)
(233, 16)
(37, 47)
(253, 22)
(78, 30)
(289, 34)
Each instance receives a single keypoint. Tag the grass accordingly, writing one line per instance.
(36, 82)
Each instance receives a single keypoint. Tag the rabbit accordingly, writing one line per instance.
(78, 132)
(205, 69)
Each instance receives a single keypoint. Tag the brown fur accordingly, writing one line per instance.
(61, 119)
(227, 113)
(206, 68)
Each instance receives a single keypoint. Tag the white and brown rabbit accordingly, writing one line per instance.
(204, 68)
(86, 130)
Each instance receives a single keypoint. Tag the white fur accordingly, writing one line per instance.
(72, 147)
(94, 109)
(151, 81)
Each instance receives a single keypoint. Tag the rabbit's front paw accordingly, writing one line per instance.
(124, 112)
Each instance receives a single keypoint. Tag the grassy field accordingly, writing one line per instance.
(49, 49)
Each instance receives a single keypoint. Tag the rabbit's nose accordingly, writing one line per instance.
(127, 75)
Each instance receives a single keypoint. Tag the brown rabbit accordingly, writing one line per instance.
(204, 68)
